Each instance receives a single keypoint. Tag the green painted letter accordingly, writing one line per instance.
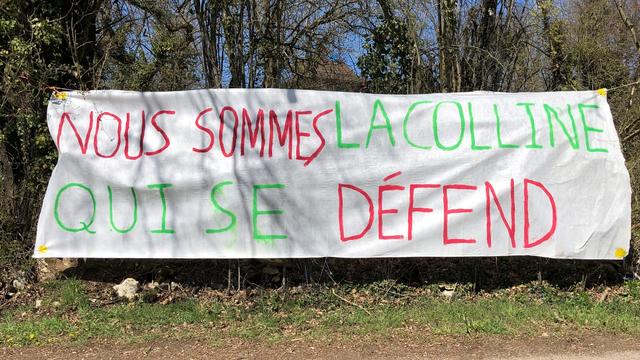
(231, 215)
(436, 137)
(532, 123)
(135, 212)
(163, 229)
(267, 238)
(339, 130)
(552, 113)
(588, 129)
(472, 130)
(405, 133)
(84, 226)
(378, 105)
(499, 132)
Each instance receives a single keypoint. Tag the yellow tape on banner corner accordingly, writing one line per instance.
(602, 91)
(620, 253)
(60, 95)
(42, 249)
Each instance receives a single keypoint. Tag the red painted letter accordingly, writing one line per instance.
(95, 136)
(235, 130)
(206, 130)
(412, 208)
(141, 137)
(381, 211)
(83, 145)
(547, 236)
(287, 131)
(253, 134)
(340, 212)
(301, 134)
(447, 211)
(511, 229)
(319, 133)
(154, 123)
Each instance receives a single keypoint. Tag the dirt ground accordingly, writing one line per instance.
(578, 347)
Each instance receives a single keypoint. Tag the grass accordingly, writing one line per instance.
(67, 315)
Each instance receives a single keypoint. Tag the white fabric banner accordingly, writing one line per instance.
(266, 173)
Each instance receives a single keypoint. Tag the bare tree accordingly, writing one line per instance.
(450, 72)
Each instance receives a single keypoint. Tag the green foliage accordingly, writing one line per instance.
(31, 58)
(150, 56)
(319, 312)
(67, 295)
(387, 63)
(43, 46)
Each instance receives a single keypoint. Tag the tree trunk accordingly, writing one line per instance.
(555, 47)
(208, 19)
(448, 47)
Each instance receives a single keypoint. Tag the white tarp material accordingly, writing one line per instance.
(268, 173)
